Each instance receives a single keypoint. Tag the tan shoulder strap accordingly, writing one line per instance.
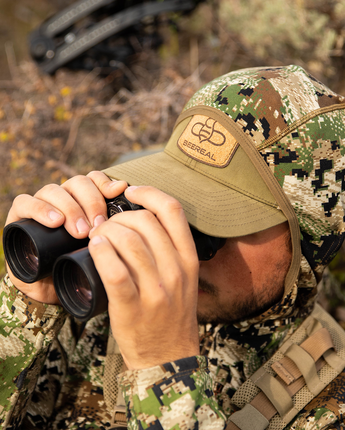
(114, 400)
(302, 367)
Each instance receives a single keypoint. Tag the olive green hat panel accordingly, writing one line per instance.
(239, 173)
(210, 206)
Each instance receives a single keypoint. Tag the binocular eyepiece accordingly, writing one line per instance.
(34, 252)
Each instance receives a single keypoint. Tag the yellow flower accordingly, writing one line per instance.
(65, 91)
(4, 136)
(61, 114)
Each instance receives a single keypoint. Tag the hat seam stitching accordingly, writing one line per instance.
(233, 187)
(205, 219)
(267, 212)
(272, 139)
(298, 123)
(221, 191)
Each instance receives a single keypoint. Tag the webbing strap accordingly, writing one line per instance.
(315, 345)
(293, 388)
(119, 418)
(249, 418)
(334, 360)
(306, 365)
(263, 404)
(319, 342)
(274, 391)
(296, 369)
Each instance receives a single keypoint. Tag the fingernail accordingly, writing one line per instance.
(82, 226)
(98, 220)
(131, 188)
(96, 240)
(54, 215)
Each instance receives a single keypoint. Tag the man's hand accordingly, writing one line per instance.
(78, 204)
(148, 263)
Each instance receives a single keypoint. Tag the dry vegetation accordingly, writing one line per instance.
(52, 128)
(55, 128)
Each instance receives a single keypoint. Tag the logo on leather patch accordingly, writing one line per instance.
(207, 141)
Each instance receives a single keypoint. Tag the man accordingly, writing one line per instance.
(257, 157)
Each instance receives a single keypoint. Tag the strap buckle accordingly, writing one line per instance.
(119, 420)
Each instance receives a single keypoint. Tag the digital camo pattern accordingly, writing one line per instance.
(298, 126)
(234, 353)
(264, 101)
(181, 395)
(327, 410)
(79, 401)
(51, 368)
(26, 330)
(61, 388)
(52, 377)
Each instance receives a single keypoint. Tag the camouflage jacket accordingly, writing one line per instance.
(52, 373)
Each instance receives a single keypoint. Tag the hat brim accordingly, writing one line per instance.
(210, 207)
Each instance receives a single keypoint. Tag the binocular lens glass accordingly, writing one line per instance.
(74, 287)
(81, 287)
(26, 252)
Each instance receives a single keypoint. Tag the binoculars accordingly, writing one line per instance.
(34, 252)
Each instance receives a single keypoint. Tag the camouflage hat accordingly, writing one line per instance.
(252, 149)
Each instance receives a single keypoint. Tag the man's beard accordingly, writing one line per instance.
(248, 308)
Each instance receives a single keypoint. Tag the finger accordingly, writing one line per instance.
(133, 251)
(145, 235)
(114, 274)
(106, 186)
(26, 206)
(76, 221)
(146, 249)
(170, 214)
(89, 191)
(89, 198)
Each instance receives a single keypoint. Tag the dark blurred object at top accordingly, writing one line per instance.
(101, 34)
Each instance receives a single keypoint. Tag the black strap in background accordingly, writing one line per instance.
(50, 57)
(70, 15)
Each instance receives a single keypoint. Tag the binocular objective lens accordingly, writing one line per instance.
(26, 252)
(78, 285)
(81, 287)
(74, 287)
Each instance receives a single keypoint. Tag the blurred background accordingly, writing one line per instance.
(53, 127)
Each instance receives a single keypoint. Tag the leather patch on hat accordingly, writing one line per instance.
(207, 141)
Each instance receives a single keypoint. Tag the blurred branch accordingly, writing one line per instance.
(72, 137)
(11, 60)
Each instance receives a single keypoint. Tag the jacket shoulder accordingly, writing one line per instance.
(325, 411)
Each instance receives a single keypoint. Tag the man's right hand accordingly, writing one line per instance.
(78, 204)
